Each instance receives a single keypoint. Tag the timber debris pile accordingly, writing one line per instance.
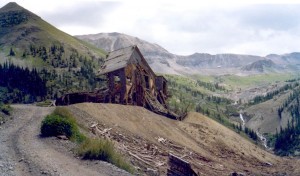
(130, 81)
(153, 158)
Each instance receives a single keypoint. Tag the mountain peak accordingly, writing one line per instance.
(13, 14)
(11, 6)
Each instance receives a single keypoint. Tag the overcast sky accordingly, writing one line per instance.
(182, 27)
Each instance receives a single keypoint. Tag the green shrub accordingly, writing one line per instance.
(97, 149)
(61, 122)
(54, 125)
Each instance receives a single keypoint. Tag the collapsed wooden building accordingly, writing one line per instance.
(131, 81)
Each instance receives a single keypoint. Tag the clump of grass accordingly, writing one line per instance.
(61, 122)
(6, 109)
(44, 103)
(99, 149)
(64, 112)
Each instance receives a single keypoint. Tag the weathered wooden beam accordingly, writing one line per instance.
(111, 86)
(123, 85)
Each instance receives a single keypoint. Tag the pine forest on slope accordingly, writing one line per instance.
(63, 62)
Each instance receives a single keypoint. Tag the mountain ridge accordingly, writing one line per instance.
(163, 61)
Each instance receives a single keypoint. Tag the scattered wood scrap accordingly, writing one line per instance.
(147, 155)
(179, 167)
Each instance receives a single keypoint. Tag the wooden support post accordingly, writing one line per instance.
(111, 85)
(123, 86)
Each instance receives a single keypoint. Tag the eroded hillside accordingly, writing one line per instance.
(147, 138)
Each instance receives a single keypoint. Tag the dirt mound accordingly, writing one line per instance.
(147, 138)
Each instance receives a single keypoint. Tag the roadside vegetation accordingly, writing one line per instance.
(100, 149)
(5, 108)
(62, 122)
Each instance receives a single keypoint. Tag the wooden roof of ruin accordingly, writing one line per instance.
(120, 58)
(160, 76)
(117, 59)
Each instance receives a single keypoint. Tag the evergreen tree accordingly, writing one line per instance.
(11, 52)
(22, 85)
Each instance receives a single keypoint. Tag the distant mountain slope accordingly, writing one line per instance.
(289, 61)
(203, 60)
(272, 111)
(154, 54)
(199, 63)
(64, 62)
(265, 115)
(260, 65)
(114, 41)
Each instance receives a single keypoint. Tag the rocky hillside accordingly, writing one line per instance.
(260, 65)
(199, 63)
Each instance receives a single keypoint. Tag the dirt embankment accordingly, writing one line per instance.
(147, 138)
(24, 152)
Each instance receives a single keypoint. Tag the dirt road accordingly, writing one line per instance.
(24, 152)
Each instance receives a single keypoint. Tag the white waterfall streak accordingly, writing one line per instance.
(263, 139)
(243, 121)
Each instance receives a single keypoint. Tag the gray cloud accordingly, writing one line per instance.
(83, 14)
(255, 29)
(275, 16)
(252, 29)
(182, 28)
